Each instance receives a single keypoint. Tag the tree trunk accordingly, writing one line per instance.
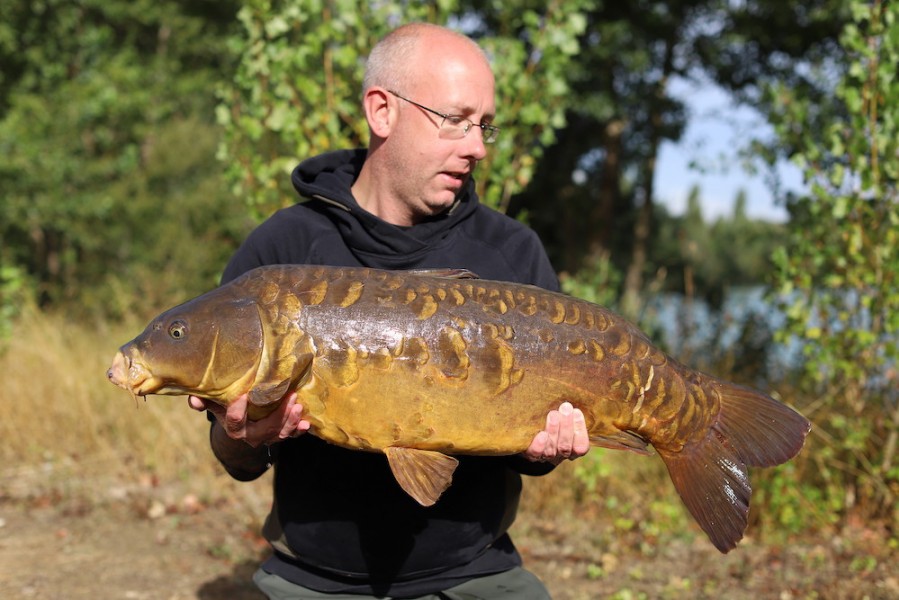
(633, 281)
(602, 216)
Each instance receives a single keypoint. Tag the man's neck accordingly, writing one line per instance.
(372, 200)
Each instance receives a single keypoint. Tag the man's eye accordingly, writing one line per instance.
(454, 120)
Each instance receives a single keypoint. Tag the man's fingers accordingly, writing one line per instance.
(553, 424)
(566, 435)
(538, 447)
(565, 439)
(284, 422)
(294, 413)
(200, 404)
(235, 420)
(195, 403)
(581, 443)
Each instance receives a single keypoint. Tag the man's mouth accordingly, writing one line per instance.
(460, 178)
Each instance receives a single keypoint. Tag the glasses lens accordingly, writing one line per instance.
(454, 128)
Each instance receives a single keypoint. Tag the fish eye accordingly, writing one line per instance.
(178, 330)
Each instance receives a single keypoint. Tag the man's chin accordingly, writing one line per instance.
(440, 209)
(440, 203)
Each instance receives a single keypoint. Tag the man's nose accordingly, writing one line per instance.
(474, 144)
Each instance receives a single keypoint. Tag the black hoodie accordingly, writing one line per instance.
(339, 521)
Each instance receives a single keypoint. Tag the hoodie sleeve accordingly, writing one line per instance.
(527, 260)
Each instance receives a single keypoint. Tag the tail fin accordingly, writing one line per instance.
(711, 476)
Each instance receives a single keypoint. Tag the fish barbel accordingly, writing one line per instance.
(422, 365)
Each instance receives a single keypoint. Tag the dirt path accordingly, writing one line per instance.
(144, 542)
(117, 552)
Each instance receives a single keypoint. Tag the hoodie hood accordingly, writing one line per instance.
(326, 181)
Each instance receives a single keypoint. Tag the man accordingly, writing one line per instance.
(340, 526)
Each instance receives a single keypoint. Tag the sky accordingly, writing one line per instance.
(717, 129)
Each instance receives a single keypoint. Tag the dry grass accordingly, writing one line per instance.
(61, 415)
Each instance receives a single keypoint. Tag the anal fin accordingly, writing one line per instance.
(621, 440)
(423, 474)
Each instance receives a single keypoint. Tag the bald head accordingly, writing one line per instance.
(406, 53)
(418, 77)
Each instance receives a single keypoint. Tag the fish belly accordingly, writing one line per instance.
(417, 410)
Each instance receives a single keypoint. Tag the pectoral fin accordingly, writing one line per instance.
(621, 440)
(423, 474)
(269, 393)
(265, 396)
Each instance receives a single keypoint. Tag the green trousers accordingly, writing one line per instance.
(515, 584)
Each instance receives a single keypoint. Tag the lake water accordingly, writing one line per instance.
(739, 337)
(694, 332)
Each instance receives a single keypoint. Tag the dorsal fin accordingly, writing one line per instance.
(446, 273)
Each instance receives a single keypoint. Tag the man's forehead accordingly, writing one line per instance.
(455, 77)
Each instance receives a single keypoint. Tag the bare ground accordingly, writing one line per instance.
(139, 539)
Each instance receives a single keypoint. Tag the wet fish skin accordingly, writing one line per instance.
(424, 365)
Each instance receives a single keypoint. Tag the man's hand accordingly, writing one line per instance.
(285, 422)
(565, 437)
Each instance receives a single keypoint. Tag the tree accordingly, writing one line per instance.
(593, 195)
(603, 165)
(297, 88)
(839, 273)
(106, 122)
(748, 48)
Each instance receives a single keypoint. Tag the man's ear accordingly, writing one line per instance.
(380, 111)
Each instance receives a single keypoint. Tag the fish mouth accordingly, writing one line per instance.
(131, 376)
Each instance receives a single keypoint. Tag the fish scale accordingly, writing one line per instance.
(425, 365)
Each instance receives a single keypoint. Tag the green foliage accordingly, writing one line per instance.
(533, 50)
(793, 501)
(14, 291)
(298, 84)
(107, 147)
(176, 229)
(296, 90)
(756, 42)
(597, 282)
(590, 186)
(633, 493)
(596, 186)
(838, 272)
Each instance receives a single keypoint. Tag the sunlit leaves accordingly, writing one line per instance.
(297, 89)
(838, 273)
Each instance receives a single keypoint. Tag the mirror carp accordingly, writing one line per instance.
(423, 365)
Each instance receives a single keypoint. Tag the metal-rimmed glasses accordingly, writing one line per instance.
(455, 127)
